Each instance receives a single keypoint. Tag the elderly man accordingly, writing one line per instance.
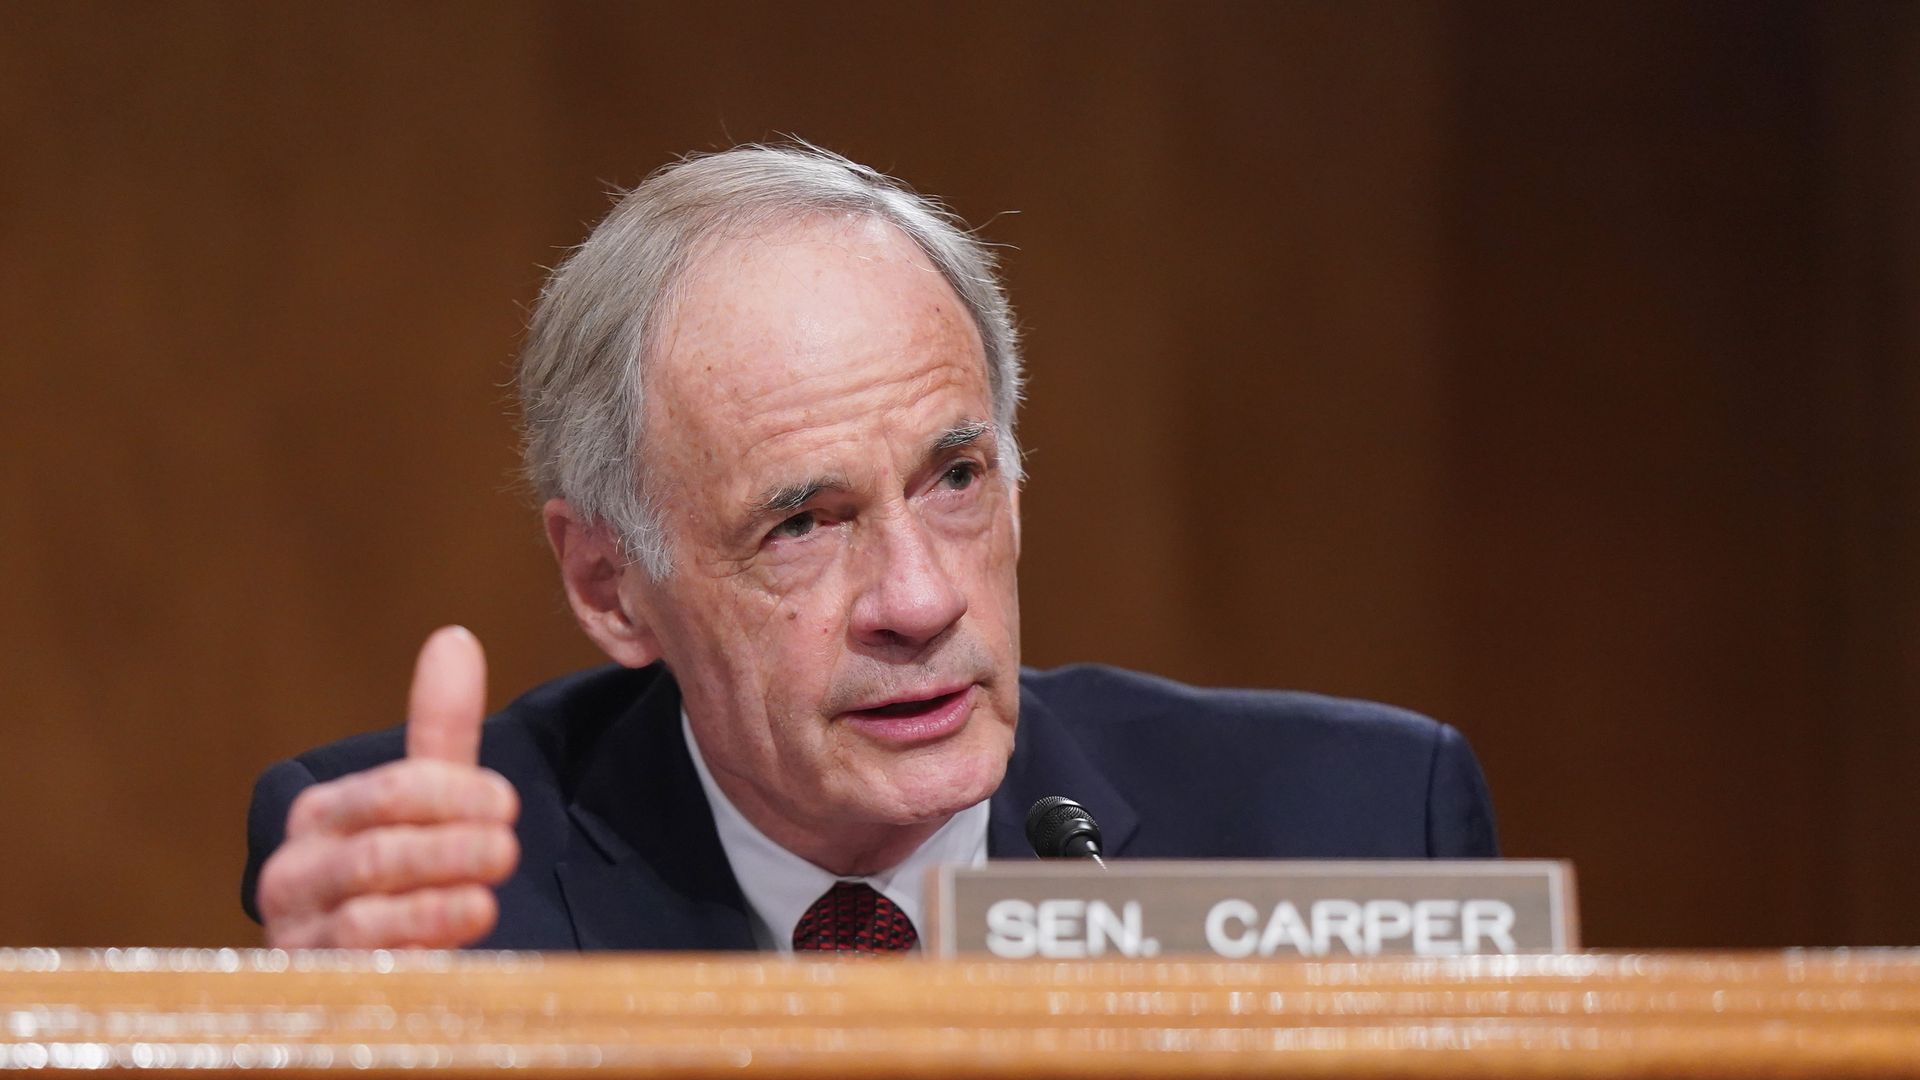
(769, 405)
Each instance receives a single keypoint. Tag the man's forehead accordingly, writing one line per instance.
(809, 317)
(759, 279)
(808, 352)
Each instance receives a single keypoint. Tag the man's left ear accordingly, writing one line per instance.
(593, 568)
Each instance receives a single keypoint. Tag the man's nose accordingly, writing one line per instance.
(909, 598)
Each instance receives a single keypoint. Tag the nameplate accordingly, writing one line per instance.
(1058, 909)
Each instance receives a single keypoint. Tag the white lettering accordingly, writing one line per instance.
(1285, 927)
(1121, 929)
(1335, 919)
(1491, 920)
(1226, 943)
(1386, 920)
(1433, 926)
(1359, 928)
(1010, 932)
(1059, 923)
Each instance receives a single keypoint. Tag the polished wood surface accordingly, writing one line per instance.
(1804, 1014)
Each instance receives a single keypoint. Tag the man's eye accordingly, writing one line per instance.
(961, 475)
(794, 527)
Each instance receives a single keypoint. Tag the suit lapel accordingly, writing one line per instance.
(653, 875)
(1047, 760)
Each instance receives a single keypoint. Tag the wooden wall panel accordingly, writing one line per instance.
(1869, 259)
(1634, 491)
(1547, 369)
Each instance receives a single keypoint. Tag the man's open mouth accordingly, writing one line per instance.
(916, 721)
(911, 708)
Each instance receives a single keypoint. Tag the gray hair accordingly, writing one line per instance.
(580, 372)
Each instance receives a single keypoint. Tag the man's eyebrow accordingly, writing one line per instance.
(786, 498)
(961, 434)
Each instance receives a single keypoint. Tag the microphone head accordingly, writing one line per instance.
(1058, 827)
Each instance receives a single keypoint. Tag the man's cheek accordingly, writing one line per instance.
(799, 658)
(823, 610)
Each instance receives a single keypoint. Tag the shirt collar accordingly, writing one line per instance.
(780, 886)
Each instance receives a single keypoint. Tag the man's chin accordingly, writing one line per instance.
(933, 787)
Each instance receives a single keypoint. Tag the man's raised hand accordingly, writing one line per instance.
(405, 854)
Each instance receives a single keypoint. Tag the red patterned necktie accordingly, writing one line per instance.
(853, 918)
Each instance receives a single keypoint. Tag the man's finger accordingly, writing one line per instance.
(449, 698)
(326, 872)
(429, 918)
(406, 792)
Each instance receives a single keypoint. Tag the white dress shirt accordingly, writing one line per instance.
(780, 886)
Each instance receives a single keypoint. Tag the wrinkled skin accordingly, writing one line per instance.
(827, 361)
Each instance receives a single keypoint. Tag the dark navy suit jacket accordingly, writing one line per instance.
(618, 848)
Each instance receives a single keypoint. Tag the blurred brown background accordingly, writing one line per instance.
(1548, 368)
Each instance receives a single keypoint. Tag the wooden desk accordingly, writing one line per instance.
(1801, 1014)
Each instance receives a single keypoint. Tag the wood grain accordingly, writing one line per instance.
(1806, 1014)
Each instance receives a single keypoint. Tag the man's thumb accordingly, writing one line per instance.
(449, 697)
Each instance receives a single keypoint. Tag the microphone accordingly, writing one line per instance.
(1058, 827)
